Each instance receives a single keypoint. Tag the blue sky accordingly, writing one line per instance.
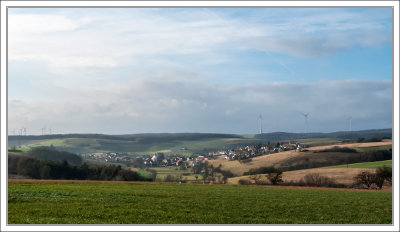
(136, 70)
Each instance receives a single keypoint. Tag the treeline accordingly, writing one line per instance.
(368, 140)
(343, 135)
(338, 149)
(49, 169)
(211, 173)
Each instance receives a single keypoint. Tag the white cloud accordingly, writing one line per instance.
(181, 106)
(122, 38)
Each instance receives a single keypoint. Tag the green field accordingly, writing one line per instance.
(374, 148)
(376, 164)
(150, 203)
(185, 146)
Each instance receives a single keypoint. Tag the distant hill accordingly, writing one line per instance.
(182, 143)
(134, 143)
(341, 135)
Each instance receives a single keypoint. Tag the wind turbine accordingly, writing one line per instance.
(44, 130)
(350, 118)
(260, 117)
(306, 120)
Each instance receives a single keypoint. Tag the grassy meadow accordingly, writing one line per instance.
(80, 202)
(375, 164)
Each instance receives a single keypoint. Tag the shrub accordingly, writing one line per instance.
(170, 178)
(262, 182)
(275, 177)
(383, 174)
(365, 178)
(244, 181)
(128, 175)
(314, 179)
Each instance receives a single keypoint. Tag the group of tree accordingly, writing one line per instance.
(50, 169)
(212, 174)
(378, 178)
(259, 176)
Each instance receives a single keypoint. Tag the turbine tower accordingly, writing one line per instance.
(260, 118)
(44, 130)
(350, 118)
(306, 120)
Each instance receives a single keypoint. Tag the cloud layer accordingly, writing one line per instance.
(121, 36)
(140, 70)
(157, 105)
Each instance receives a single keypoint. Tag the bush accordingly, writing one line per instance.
(378, 178)
(275, 177)
(170, 178)
(244, 182)
(262, 182)
(365, 178)
(128, 175)
(314, 179)
(383, 174)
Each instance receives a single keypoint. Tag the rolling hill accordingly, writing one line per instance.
(173, 142)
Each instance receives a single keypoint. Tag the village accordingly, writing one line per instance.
(159, 159)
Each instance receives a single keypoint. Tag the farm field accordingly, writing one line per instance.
(85, 202)
(375, 164)
(341, 175)
(292, 157)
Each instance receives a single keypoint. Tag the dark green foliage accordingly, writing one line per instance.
(49, 153)
(14, 149)
(127, 175)
(370, 156)
(370, 140)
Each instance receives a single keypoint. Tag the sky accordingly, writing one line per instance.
(206, 70)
